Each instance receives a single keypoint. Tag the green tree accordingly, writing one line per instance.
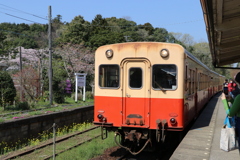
(76, 32)
(105, 37)
(22, 27)
(26, 42)
(3, 47)
(102, 34)
(57, 23)
(121, 25)
(148, 27)
(186, 39)
(58, 80)
(159, 35)
(7, 89)
(202, 52)
(142, 35)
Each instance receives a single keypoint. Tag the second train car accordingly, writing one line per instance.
(143, 90)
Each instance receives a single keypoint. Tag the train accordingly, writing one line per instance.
(145, 90)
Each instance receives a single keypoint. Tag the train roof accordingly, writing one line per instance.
(201, 63)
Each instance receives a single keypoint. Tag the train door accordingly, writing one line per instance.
(136, 92)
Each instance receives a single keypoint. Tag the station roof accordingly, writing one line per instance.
(222, 20)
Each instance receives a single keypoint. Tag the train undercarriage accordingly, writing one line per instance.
(136, 140)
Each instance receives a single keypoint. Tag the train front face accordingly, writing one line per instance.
(139, 87)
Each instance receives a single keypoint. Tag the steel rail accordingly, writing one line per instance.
(49, 142)
(72, 147)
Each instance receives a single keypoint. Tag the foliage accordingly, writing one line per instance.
(159, 35)
(75, 32)
(30, 81)
(202, 52)
(101, 33)
(89, 95)
(76, 59)
(58, 83)
(3, 44)
(58, 97)
(30, 57)
(6, 148)
(22, 106)
(185, 39)
(22, 34)
(73, 46)
(7, 89)
(90, 150)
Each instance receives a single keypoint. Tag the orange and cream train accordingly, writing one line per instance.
(145, 89)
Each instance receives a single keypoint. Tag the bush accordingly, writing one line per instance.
(23, 106)
(46, 96)
(79, 96)
(89, 95)
(58, 97)
(7, 89)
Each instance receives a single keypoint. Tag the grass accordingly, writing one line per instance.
(89, 150)
(84, 152)
(40, 108)
(7, 148)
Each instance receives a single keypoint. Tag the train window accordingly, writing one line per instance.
(164, 77)
(135, 80)
(109, 76)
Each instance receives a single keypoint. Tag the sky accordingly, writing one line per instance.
(180, 16)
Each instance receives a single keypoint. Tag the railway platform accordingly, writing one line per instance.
(202, 142)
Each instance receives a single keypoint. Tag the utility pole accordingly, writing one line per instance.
(50, 54)
(20, 59)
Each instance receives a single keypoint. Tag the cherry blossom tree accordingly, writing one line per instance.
(76, 58)
(35, 58)
(30, 83)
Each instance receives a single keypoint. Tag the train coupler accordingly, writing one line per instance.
(164, 123)
(133, 135)
(158, 133)
(160, 130)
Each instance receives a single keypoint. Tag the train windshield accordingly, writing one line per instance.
(135, 80)
(109, 76)
(164, 77)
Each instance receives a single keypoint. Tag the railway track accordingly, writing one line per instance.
(50, 143)
(78, 144)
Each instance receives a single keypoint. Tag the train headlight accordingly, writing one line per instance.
(173, 121)
(164, 53)
(109, 53)
(100, 117)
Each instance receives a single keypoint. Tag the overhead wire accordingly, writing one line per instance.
(20, 18)
(140, 25)
(17, 10)
(24, 12)
(85, 24)
(92, 25)
(88, 25)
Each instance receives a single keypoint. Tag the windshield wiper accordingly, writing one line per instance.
(160, 87)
